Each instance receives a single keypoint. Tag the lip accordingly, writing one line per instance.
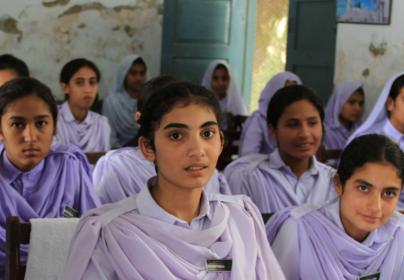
(196, 169)
(30, 152)
(370, 219)
(304, 146)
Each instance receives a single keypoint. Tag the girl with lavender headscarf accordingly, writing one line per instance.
(125, 171)
(173, 229)
(218, 79)
(290, 175)
(78, 125)
(343, 114)
(255, 137)
(37, 181)
(120, 104)
(357, 236)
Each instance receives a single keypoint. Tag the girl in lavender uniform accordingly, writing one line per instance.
(120, 104)
(255, 137)
(357, 236)
(173, 229)
(387, 116)
(290, 175)
(37, 181)
(78, 125)
(343, 114)
(219, 79)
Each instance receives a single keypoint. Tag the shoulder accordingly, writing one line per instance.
(324, 168)
(68, 150)
(246, 163)
(98, 117)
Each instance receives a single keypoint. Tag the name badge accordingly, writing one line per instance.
(69, 212)
(218, 265)
(374, 276)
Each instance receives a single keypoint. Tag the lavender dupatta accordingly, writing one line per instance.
(140, 247)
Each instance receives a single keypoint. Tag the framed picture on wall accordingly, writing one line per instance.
(364, 11)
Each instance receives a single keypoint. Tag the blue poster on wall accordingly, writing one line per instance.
(364, 11)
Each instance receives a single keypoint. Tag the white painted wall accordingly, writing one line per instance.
(48, 33)
(354, 55)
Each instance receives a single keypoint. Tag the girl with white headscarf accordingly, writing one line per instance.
(387, 116)
(343, 114)
(219, 79)
(120, 104)
(255, 137)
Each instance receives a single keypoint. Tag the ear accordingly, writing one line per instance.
(389, 104)
(137, 118)
(65, 88)
(221, 141)
(146, 148)
(338, 186)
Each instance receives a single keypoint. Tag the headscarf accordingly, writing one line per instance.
(379, 112)
(119, 107)
(233, 101)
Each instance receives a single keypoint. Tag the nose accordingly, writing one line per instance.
(304, 131)
(375, 204)
(30, 133)
(196, 147)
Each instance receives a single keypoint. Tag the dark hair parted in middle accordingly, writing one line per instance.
(71, 67)
(22, 87)
(373, 148)
(286, 96)
(166, 98)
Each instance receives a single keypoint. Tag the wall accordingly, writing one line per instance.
(48, 33)
(371, 53)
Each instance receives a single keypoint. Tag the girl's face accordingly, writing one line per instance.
(135, 77)
(220, 82)
(26, 131)
(396, 110)
(298, 132)
(82, 88)
(352, 110)
(368, 198)
(187, 145)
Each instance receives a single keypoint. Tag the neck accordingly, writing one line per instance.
(221, 95)
(297, 166)
(345, 123)
(397, 125)
(182, 203)
(133, 93)
(78, 113)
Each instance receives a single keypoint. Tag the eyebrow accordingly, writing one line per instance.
(181, 125)
(18, 118)
(390, 188)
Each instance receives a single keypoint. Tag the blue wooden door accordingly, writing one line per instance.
(311, 43)
(198, 31)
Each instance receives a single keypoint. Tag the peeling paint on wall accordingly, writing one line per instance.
(365, 72)
(378, 50)
(49, 34)
(10, 25)
(53, 3)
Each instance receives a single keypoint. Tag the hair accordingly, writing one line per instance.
(21, 87)
(370, 148)
(286, 96)
(70, 68)
(140, 60)
(165, 99)
(396, 87)
(8, 61)
(222, 66)
(152, 86)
